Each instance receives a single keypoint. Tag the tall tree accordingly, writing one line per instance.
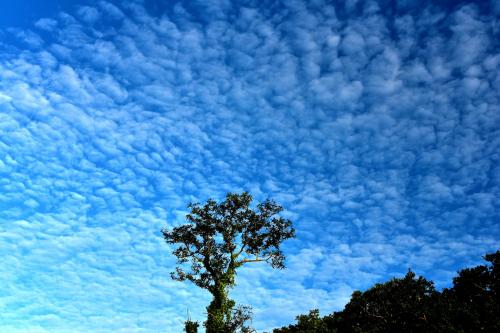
(221, 237)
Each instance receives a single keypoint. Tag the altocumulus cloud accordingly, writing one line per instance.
(376, 124)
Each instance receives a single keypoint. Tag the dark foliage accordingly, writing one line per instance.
(474, 300)
(411, 304)
(217, 240)
(191, 326)
(310, 323)
(400, 305)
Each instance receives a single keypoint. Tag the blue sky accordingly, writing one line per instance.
(375, 124)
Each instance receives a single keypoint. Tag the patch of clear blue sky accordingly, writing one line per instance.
(22, 13)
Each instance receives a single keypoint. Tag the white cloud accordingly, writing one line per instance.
(46, 24)
(88, 14)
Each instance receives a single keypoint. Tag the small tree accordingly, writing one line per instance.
(221, 237)
(310, 323)
(191, 326)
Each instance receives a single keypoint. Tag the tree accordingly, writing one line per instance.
(475, 297)
(411, 304)
(400, 305)
(221, 237)
(310, 323)
(191, 326)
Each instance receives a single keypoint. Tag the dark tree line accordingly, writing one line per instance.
(412, 304)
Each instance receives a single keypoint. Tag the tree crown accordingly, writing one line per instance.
(220, 237)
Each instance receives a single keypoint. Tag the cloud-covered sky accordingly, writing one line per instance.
(375, 124)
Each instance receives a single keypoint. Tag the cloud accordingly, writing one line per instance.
(89, 14)
(376, 132)
(46, 24)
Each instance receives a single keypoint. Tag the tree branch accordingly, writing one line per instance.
(257, 259)
(240, 251)
(193, 253)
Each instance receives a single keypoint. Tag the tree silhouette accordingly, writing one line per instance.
(474, 299)
(400, 305)
(411, 304)
(191, 326)
(221, 237)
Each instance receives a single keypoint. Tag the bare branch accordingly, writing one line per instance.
(240, 251)
(257, 259)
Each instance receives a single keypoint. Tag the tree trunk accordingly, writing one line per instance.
(219, 310)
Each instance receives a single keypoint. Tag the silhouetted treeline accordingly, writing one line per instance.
(411, 304)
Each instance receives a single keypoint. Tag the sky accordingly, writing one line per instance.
(376, 125)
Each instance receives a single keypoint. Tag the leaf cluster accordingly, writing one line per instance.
(191, 326)
(220, 237)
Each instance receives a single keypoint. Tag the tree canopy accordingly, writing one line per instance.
(474, 300)
(217, 239)
(411, 304)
